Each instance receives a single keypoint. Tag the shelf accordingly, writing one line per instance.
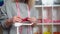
(44, 23)
(27, 24)
(39, 23)
(47, 23)
(56, 23)
(46, 5)
(38, 6)
(56, 5)
(43, 5)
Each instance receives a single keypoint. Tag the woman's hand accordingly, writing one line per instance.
(15, 19)
(32, 19)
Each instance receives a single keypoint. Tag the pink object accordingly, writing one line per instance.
(24, 19)
(17, 6)
(47, 20)
(56, 21)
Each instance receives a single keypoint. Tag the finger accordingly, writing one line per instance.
(17, 17)
(18, 20)
(29, 18)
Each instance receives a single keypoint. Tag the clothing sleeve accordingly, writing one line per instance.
(3, 17)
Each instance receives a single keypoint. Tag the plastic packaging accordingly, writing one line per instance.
(56, 33)
(46, 30)
(46, 33)
(55, 30)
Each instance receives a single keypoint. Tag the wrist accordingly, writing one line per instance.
(8, 22)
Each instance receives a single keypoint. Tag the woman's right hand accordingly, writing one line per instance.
(15, 19)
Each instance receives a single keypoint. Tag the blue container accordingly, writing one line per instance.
(1, 2)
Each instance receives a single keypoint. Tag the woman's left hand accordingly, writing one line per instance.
(32, 19)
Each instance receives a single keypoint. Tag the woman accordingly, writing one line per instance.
(10, 14)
